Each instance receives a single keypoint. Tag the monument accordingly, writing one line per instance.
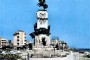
(41, 32)
(43, 46)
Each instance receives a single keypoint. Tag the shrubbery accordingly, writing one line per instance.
(9, 57)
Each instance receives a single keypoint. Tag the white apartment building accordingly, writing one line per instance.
(19, 38)
(3, 42)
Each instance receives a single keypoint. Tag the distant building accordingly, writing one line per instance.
(63, 45)
(59, 44)
(55, 42)
(9, 43)
(3, 42)
(19, 38)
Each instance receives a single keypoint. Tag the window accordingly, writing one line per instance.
(17, 39)
(17, 33)
(18, 44)
(17, 36)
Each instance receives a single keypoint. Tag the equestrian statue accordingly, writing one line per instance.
(43, 4)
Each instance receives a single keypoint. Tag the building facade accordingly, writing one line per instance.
(59, 44)
(19, 38)
(3, 42)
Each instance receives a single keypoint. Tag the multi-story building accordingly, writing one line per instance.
(19, 38)
(3, 42)
(59, 44)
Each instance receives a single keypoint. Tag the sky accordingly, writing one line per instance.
(69, 19)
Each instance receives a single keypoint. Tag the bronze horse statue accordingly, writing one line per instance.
(42, 3)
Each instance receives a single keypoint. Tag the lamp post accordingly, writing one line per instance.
(27, 56)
